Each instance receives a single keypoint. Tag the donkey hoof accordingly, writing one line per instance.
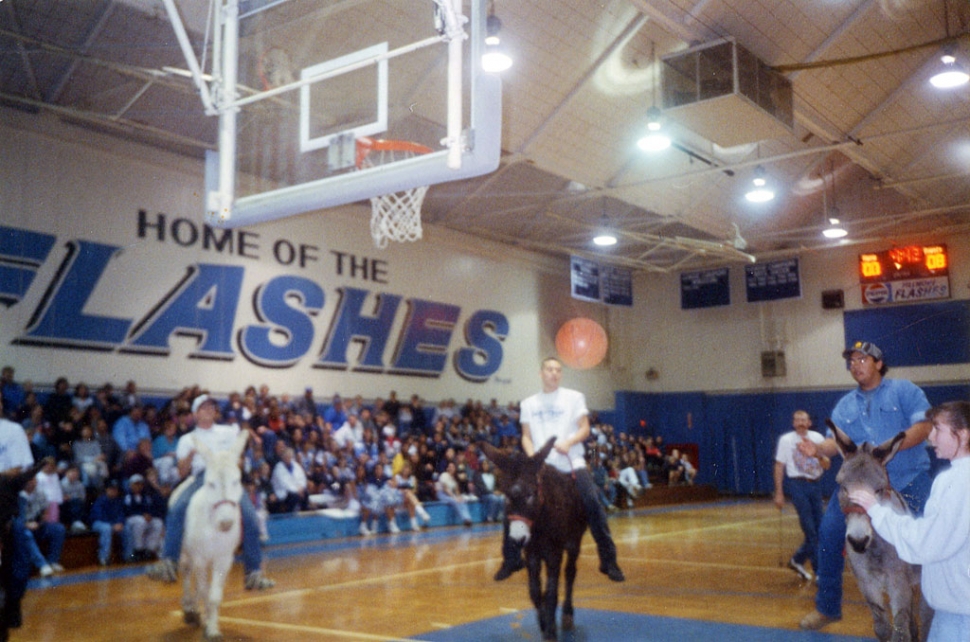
(567, 623)
(191, 618)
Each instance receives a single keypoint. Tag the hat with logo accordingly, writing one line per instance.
(865, 347)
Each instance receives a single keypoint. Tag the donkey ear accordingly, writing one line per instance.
(845, 444)
(495, 455)
(543, 452)
(202, 449)
(240, 445)
(888, 449)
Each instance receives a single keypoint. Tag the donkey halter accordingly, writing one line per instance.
(852, 507)
(515, 517)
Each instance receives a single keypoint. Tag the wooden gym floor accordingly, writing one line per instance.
(714, 570)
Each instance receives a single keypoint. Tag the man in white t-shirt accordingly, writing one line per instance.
(804, 489)
(215, 437)
(562, 413)
(15, 454)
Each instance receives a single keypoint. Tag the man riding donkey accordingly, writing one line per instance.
(217, 438)
(561, 413)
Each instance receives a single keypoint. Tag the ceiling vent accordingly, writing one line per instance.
(721, 91)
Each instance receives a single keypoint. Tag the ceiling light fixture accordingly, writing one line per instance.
(761, 192)
(495, 59)
(952, 74)
(835, 229)
(605, 236)
(654, 140)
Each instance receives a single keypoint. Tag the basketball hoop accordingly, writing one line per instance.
(397, 216)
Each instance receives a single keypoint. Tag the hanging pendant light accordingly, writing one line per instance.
(834, 229)
(655, 139)
(495, 59)
(952, 74)
(761, 192)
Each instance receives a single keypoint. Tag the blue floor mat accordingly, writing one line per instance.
(612, 626)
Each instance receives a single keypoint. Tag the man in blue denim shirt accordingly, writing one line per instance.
(875, 411)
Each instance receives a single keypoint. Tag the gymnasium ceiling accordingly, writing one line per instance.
(870, 134)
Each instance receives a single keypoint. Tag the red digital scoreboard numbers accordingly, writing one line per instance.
(902, 263)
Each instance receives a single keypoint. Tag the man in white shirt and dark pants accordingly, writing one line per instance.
(803, 487)
(562, 413)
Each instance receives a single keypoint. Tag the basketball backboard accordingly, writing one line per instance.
(298, 82)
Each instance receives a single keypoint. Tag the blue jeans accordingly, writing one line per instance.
(105, 532)
(831, 544)
(460, 508)
(493, 506)
(595, 516)
(806, 497)
(949, 626)
(53, 535)
(252, 555)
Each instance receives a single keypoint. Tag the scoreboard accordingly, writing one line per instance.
(907, 273)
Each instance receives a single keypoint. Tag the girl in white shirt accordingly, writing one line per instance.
(940, 539)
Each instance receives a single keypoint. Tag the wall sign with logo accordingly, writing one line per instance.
(905, 274)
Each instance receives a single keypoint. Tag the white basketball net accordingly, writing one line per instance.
(397, 216)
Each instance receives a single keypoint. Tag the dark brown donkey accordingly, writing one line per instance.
(545, 514)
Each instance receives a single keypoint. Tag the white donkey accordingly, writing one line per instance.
(213, 529)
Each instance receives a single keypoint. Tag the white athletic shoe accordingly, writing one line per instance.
(392, 526)
(57, 568)
(46, 570)
(423, 514)
(414, 524)
(801, 570)
(364, 530)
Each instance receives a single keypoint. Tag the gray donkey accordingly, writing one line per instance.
(880, 573)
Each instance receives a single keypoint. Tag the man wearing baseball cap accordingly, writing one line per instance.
(216, 437)
(877, 410)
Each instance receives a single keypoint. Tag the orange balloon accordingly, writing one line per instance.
(581, 343)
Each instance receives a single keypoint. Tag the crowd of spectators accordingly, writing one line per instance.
(112, 457)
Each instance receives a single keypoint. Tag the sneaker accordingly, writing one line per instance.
(57, 568)
(79, 527)
(256, 581)
(801, 570)
(508, 568)
(815, 621)
(162, 571)
(423, 514)
(612, 571)
(392, 526)
(46, 570)
(364, 530)
(415, 526)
